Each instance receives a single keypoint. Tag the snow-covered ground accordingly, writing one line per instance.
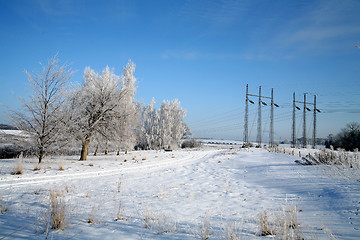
(170, 195)
(12, 132)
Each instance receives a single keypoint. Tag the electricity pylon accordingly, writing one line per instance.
(305, 108)
(259, 128)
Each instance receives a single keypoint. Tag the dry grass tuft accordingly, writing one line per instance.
(231, 231)
(120, 216)
(149, 217)
(283, 224)
(19, 168)
(204, 229)
(61, 166)
(159, 222)
(265, 228)
(119, 185)
(57, 210)
(92, 216)
(3, 208)
(37, 167)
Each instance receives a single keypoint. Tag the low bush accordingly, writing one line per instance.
(191, 143)
(9, 151)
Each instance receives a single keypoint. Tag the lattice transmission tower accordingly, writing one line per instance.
(259, 120)
(305, 109)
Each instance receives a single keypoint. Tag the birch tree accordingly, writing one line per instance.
(42, 114)
(166, 124)
(128, 114)
(178, 127)
(163, 128)
(150, 122)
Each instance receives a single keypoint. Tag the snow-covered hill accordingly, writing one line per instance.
(174, 195)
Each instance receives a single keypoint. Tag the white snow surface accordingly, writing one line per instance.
(13, 132)
(174, 192)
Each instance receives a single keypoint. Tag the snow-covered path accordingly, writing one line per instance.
(144, 167)
(179, 189)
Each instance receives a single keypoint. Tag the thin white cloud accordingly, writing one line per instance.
(196, 55)
(183, 55)
(323, 28)
(58, 8)
(216, 12)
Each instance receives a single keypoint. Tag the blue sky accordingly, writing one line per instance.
(201, 52)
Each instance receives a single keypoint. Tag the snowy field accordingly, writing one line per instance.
(177, 195)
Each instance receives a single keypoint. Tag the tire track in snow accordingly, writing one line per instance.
(144, 167)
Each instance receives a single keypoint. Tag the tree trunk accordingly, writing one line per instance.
(106, 148)
(96, 149)
(84, 150)
(41, 155)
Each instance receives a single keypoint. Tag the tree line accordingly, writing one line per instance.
(102, 109)
(348, 138)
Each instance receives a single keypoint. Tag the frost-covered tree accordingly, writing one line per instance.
(179, 127)
(127, 110)
(172, 126)
(42, 115)
(163, 128)
(166, 124)
(150, 122)
(94, 105)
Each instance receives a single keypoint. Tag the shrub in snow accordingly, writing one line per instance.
(190, 143)
(9, 152)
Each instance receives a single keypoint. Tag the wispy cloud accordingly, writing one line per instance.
(196, 55)
(319, 27)
(218, 12)
(58, 8)
(182, 55)
(324, 27)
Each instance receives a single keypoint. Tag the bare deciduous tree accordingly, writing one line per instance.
(41, 115)
(349, 137)
(94, 105)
